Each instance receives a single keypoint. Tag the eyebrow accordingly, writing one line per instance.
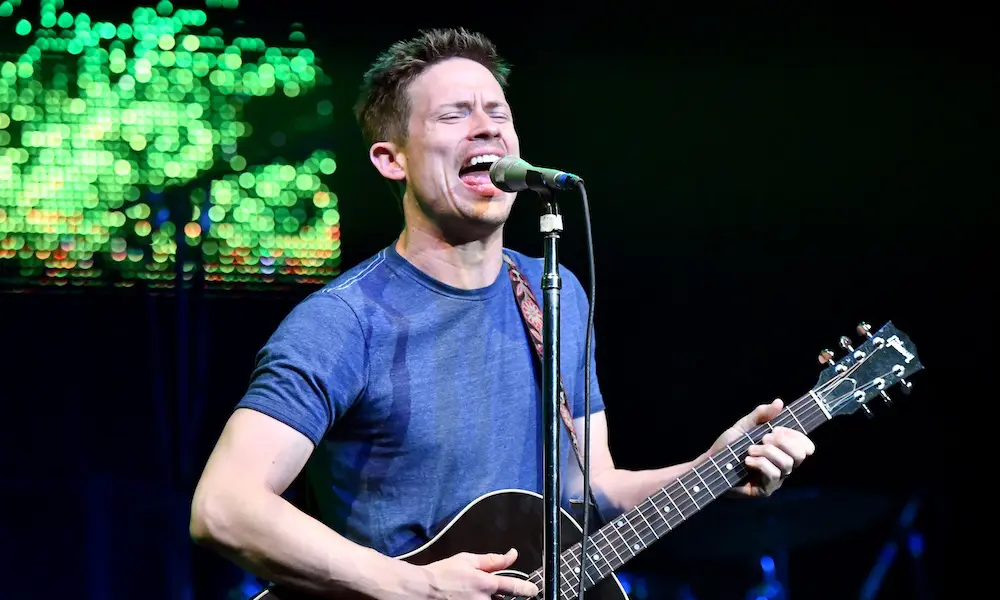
(466, 104)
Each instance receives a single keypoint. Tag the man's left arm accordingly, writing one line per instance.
(770, 462)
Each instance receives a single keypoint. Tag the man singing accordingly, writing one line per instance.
(406, 388)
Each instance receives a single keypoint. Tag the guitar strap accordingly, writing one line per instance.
(532, 316)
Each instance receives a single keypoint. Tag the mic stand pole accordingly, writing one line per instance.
(551, 227)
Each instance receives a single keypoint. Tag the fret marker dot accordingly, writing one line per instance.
(619, 523)
(666, 509)
(696, 488)
(636, 546)
(595, 557)
(729, 466)
(576, 570)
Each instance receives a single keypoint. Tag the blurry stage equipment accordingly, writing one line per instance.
(771, 530)
(906, 536)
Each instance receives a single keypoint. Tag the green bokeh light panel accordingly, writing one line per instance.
(275, 221)
(100, 121)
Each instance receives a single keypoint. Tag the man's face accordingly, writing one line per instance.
(459, 125)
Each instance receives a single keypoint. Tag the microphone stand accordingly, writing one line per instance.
(551, 227)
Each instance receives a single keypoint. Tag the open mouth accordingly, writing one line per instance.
(475, 173)
(478, 164)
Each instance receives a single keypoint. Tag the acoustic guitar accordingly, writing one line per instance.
(513, 518)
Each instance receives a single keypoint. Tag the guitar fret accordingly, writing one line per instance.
(677, 509)
(733, 467)
(569, 582)
(733, 452)
(598, 560)
(568, 569)
(707, 487)
(661, 511)
(566, 585)
(801, 428)
(604, 533)
(688, 493)
(627, 521)
(571, 572)
(593, 560)
(639, 510)
(719, 469)
(737, 462)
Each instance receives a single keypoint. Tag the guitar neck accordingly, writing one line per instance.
(619, 541)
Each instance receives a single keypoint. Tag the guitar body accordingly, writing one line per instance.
(495, 522)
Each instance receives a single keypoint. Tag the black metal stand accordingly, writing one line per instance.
(551, 227)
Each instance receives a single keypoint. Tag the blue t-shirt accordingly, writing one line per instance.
(419, 397)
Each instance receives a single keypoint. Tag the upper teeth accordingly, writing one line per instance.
(483, 158)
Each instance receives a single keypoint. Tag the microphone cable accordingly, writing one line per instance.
(586, 389)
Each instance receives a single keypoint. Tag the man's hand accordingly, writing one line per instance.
(471, 577)
(781, 451)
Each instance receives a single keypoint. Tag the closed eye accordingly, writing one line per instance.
(456, 116)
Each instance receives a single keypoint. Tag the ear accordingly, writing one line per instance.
(389, 160)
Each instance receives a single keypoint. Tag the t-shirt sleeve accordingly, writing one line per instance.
(581, 306)
(312, 368)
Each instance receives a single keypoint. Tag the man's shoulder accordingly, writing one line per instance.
(349, 284)
(523, 261)
(533, 266)
(343, 295)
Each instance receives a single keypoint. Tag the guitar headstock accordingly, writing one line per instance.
(884, 359)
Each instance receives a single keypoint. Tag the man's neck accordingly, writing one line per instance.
(469, 265)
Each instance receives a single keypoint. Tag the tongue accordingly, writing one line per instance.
(480, 181)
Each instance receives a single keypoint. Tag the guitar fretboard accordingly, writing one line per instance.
(619, 541)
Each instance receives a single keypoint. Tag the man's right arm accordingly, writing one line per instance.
(304, 378)
(238, 511)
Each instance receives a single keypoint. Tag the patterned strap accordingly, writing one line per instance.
(533, 323)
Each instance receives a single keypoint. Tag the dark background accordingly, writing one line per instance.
(759, 183)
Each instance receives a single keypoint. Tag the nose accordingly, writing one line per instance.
(483, 126)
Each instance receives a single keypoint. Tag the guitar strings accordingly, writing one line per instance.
(571, 557)
(627, 539)
(624, 546)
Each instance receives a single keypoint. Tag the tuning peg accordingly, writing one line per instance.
(845, 343)
(880, 384)
(866, 330)
(868, 411)
(825, 357)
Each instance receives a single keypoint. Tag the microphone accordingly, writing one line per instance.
(511, 174)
